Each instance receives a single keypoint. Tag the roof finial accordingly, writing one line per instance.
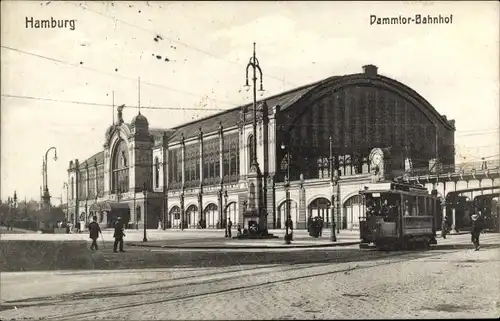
(120, 114)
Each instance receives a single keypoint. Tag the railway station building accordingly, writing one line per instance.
(198, 173)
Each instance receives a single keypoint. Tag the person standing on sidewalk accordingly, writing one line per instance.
(118, 235)
(444, 227)
(229, 226)
(94, 230)
(477, 226)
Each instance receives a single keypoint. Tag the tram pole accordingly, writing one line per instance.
(334, 183)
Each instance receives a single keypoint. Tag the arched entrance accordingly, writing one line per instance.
(211, 215)
(351, 212)
(320, 207)
(232, 213)
(294, 214)
(191, 215)
(115, 210)
(175, 217)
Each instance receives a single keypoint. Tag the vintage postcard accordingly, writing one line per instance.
(235, 160)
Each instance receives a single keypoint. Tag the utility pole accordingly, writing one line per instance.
(334, 183)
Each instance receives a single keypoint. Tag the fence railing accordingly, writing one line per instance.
(465, 168)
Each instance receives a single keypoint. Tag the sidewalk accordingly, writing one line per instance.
(178, 237)
(202, 239)
(301, 239)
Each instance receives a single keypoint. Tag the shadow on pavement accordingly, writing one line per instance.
(345, 255)
(76, 255)
(31, 255)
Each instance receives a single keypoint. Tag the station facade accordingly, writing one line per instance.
(196, 174)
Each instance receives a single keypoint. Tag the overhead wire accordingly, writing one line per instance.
(108, 105)
(113, 74)
(176, 41)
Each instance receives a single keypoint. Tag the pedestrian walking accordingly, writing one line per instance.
(118, 235)
(477, 226)
(229, 225)
(94, 230)
(444, 227)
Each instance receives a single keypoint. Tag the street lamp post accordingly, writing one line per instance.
(145, 192)
(334, 182)
(287, 194)
(224, 213)
(46, 195)
(254, 63)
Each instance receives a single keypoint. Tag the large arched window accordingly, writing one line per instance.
(282, 214)
(157, 173)
(175, 216)
(190, 218)
(120, 168)
(320, 207)
(211, 215)
(353, 208)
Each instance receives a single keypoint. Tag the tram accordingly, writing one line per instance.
(398, 216)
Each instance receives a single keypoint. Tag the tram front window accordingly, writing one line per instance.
(383, 204)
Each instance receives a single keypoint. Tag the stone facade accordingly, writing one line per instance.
(200, 172)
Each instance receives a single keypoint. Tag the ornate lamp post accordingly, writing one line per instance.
(287, 195)
(254, 63)
(334, 181)
(46, 194)
(145, 192)
(224, 213)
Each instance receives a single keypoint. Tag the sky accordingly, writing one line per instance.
(57, 84)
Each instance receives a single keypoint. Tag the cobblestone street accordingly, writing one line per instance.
(409, 284)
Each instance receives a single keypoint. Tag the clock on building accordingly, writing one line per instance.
(376, 157)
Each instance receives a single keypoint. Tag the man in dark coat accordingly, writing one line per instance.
(229, 226)
(321, 223)
(94, 230)
(444, 227)
(477, 226)
(118, 235)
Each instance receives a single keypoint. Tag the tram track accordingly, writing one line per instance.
(405, 254)
(227, 276)
(258, 270)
